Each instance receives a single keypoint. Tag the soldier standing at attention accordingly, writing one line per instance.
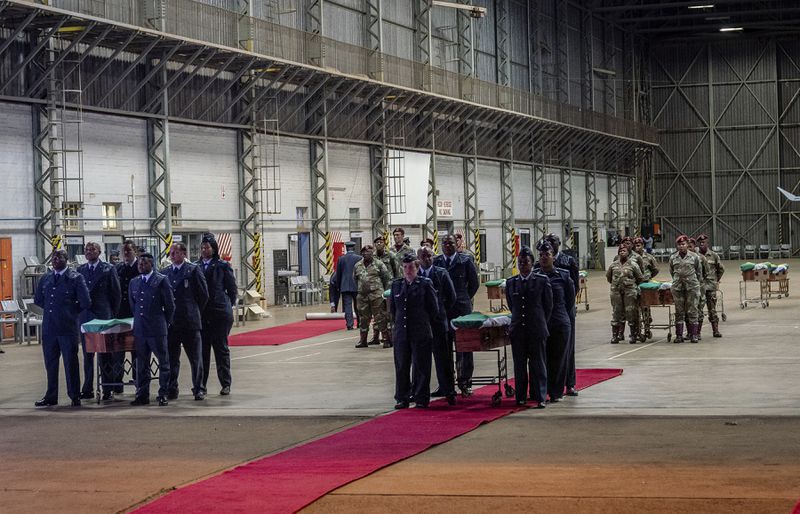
(127, 270)
(62, 295)
(529, 297)
(400, 249)
(442, 350)
(103, 284)
(624, 276)
(189, 288)
(385, 257)
(716, 269)
(649, 271)
(372, 279)
(414, 307)
(686, 272)
(153, 306)
(218, 314)
(701, 300)
(464, 276)
(346, 282)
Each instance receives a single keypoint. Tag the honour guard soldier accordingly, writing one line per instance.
(442, 349)
(190, 291)
(464, 276)
(414, 308)
(687, 274)
(127, 270)
(624, 276)
(104, 289)
(218, 313)
(62, 295)
(153, 306)
(372, 279)
(706, 272)
(649, 271)
(715, 271)
(385, 257)
(400, 249)
(529, 297)
(346, 282)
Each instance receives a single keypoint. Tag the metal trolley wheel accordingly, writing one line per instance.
(496, 397)
(509, 391)
(724, 317)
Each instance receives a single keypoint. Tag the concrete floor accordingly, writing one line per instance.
(711, 427)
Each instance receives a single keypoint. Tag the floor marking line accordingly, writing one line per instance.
(301, 356)
(637, 349)
(294, 348)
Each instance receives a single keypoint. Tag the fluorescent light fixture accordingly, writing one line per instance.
(704, 6)
(730, 29)
(717, 18)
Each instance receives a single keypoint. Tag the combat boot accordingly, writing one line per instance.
(363, 342)
(693, 332)
(376, 338)
(614, 332)
(634, 335)
(699, 329)
(715, 328)
(387, 339)
(678, 332)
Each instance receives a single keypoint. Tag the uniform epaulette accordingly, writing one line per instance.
(536, 273)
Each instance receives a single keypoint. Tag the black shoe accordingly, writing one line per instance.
(162, 401)
(86, 395)
(362, 345)
(521, 403)
(140, 400)
(466, 391)
(387, 345)
(374, 342)
(437, 393)
(225, 391)
(572, 391)
(350, 328)
(76, 402)
(200, 396)
(451, 399)
(421, 406)
(540, 405)
(401, 405)
(555, 400)
(172, 395)
(44, 402)
(108, 396)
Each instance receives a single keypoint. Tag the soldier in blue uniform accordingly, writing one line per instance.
(191, 295)
(153, 306)
(464, 276)
(62, 295)
(103, 284)
(442, 351)
(218, 313)
(530, 299)
(560, 324)
(566, 262)
(127, 270)
(414, 308)
(346, 282)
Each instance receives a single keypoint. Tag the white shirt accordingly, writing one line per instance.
(526, 277)
(177, 267)
(146, 278)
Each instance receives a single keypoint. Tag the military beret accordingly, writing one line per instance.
(702, 237)
(682, 238)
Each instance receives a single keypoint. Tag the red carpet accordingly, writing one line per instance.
(288, 481)
(796, 509)
(283, 334)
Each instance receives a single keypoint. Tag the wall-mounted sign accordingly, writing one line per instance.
(444, 208)
(74, 240)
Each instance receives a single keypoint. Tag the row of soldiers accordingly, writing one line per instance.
(185, 305)
(695, 272)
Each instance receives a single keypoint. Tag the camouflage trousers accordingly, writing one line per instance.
(625, 307)
(369, 309)
(709, 301)
(686, 303)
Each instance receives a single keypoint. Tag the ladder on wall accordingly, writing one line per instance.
(394, 172)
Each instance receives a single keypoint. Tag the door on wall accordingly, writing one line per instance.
(304, 253)
(6, 279)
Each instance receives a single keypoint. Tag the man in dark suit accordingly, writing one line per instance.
(127, 270)
(566, 262)
(62, 295)
(153, 306)
(218, 313)
(442, 351)
(530, 299)
(346, 282)
(465, 281)
(414, 307)
(189, 288)
(103, 284)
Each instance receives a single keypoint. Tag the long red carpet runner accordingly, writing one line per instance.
(283, 334)
(288, 481)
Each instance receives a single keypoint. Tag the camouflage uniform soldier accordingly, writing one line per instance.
(399, 250)
(634, 257)
(385, 257)
(687, 274)
(649, 271)
(701, 300)
(714, 275)
(372, 279)
(624, 276)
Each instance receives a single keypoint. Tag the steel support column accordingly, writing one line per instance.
(471, 220)
(315, 51)
(591, 215)
(244, 26)
(507, 206)
(249, 229)
(613, 201)
(587, 60)
(562, 50)
(466, 53)
(503, 45)
(431, 228)
(566, 205)
(423, 43)
(374, 26)
(535, 78)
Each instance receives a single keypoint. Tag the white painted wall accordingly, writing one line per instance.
(489, 201)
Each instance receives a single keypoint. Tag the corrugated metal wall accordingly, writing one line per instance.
(727, 114)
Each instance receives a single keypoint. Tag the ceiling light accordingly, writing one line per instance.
(705, 6)
(730, 29)
(717, 18)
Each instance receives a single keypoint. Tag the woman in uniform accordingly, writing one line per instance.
(624, 276)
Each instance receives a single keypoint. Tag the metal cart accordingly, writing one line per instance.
(778, 285)
(583, 293)
(496, 292)
(489, 339)
(755, 278)
(659, 298)
(721, 305)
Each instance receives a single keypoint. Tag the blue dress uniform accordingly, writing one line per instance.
(530, 300)
(190, 291)
(442, 350)
(414, 308)
(125, 272)
(104, 290)
(346, 283)
(62, 297)
(153, 308)
(218, 319)
(464, 276)
(560, 329)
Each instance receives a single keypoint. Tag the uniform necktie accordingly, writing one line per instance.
(58, 276)
(144, 279)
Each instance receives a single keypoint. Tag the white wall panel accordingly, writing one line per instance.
(523, 192)
(348, 186)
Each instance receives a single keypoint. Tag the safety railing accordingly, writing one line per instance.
(192, 19)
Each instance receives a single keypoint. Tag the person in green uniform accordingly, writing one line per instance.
(714, 275)
(624, 276)
(372, 279)
(687, 274)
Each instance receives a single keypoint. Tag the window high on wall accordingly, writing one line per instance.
(111, 216)
(175, 209)
(72, 216)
